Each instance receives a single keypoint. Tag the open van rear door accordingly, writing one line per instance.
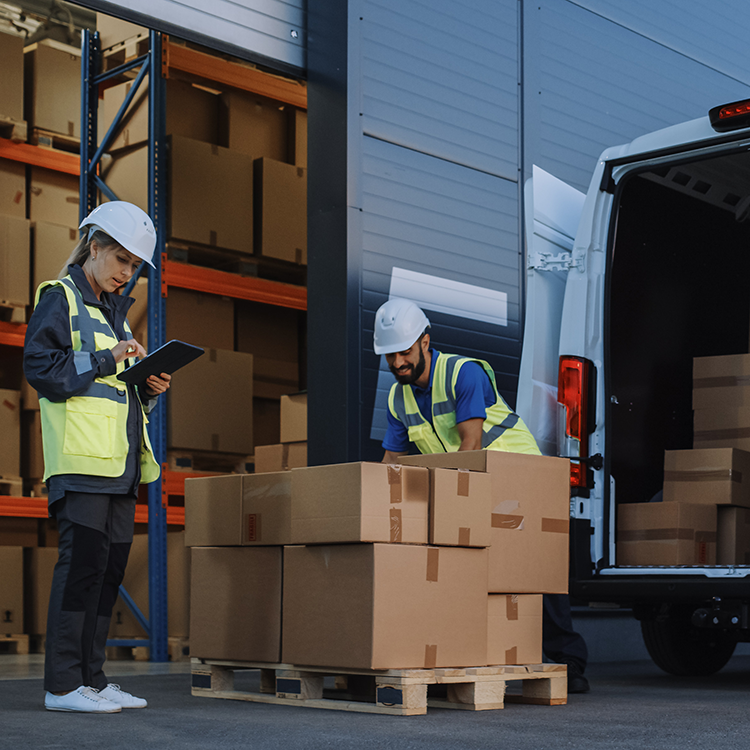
(552, 213)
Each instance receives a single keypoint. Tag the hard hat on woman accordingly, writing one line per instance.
(127, 224)
(398, 324)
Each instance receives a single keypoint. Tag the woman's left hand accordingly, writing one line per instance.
(157, 384)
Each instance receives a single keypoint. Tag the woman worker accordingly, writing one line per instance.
(96, 448)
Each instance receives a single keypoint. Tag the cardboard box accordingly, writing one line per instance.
(254, 125)
(360, 502)
(14, 260)
(281, 210)
(220, 216)
(530, 517)
(721, 382)
(211, 404)
(712, 476)
(32, 456)
(733, 535)
(460, 508)
(298, 138)
(10, 433)
(124, 624)
(19, 532)
(11, 591)
(238, 510)
(12, 180)
(39, 568)
(191, 111)
(280, 457)
(294, 417)
(11, 82)
(114, 30)
(53, 198)
(235, 610)
(52, 87)
(126, 173)
(385, 606)
(52, 244)
(722, 428)
(266, 413)
(666, 534)
(205, 320)
(514, 629)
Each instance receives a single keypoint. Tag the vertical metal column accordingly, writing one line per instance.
(157, 511)
(90, 48)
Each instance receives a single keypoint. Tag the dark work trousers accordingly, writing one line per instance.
(560, 642)
(96, 531)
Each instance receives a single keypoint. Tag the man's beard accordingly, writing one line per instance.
(414, 374)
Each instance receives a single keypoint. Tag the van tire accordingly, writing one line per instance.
(681, 649)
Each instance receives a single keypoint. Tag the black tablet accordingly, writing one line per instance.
(168, 358)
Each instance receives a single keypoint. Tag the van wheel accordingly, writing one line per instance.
(681, 649)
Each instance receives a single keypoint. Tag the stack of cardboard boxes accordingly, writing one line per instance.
(291, 452)
(383, 566)
(704, 518)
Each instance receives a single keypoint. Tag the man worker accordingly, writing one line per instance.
(445, 402)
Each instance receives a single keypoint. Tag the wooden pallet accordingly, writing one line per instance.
(11, 486)
(14, 644)
(70, 144)
(12, 312)
(125, 51)
(399, 692)
(178, 649)
(14, 130)
(207, 462)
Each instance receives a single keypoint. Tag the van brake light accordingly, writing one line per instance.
(732, 116)
(573, 394)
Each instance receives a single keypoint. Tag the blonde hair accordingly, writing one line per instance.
(82, 250)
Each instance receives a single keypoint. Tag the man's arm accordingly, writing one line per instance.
(470, 432)
(391, 457)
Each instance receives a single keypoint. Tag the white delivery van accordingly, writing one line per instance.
(625, 286)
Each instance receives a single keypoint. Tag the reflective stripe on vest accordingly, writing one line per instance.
(87, 433)
(502, 428)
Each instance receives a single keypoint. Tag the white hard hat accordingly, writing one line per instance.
(126, 224)
(398, 324)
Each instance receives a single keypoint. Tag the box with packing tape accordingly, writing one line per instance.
(733, 535)
(514, 629)
(666, 534)
(530, 517)
(459, 508)
(712, 476)
(280, 457)
(360, 502)
(238, 510)
(721, 382)
(722, 428)
(385, 606)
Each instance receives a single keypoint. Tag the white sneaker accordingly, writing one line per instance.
(84, 699)
(113, 693)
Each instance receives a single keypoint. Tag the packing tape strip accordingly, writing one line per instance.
(724, 381)
(395, 525)
(464, 536)
(430, 656)
(505, 521)
(705, 475)
(664, 535)
(731, 433)
(511, 655)
(462, 481)
(511, 606)
(433, 563)
(555, 525)
(253, 527)
(394, 482)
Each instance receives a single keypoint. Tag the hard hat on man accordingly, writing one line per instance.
(398, 324)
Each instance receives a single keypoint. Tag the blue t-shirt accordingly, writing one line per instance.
(474, 394)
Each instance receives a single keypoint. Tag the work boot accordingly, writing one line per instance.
(83, 699)
(113, 693)
(577, 683)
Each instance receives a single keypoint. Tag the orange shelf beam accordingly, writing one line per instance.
(23, 507)
(60, 161)
(231, 285)
(235, 74)
(12, 334)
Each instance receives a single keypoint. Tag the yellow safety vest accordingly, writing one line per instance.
(87, 434)
(503, 430)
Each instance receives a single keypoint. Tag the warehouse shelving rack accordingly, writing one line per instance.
(161, 59)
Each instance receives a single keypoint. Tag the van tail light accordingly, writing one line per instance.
(730, 116)
(575, 395)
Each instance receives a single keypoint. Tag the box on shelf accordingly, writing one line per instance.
(114, 30)
(530, 517)
(211, 404)
(235, 603)
(666, 534)
(254, 125)
(53, 198)
(52, 244)
(52, 87)
(733, 536)
(712, 476)
(385, 606)
(721, 382)
(32, 455)
(266, 421)
(294, 417)
(360, 502)
(39, 567)
(238, 510)
(14, 260)
(123, 622)
(11, 82)
(298, 138)
(126, 173)
(10, 433)
(280, 457)
(460, 508)
(514, 629)
(12, 180)
(205, 320)
(281, 210)
(722, 428)
(11, 590)
(19, 532)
